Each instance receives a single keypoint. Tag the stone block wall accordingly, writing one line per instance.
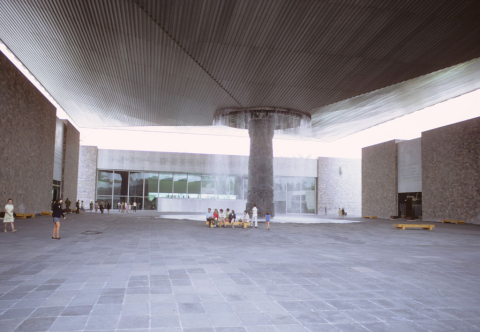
(379, 180)
(71, 151)
(451, 172)
(87, 173)
(339, 186)
(27, 139)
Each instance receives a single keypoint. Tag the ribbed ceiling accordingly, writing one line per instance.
(174, 62)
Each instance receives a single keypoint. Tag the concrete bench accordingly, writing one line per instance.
(423, 226)
(449, 221)
(30, 215)
(46, 213)
(371, 217)
(236, 223)
(20, 216)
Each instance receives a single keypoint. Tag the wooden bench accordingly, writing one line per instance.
(20, 216)
(371, 217)
(30, 215)
(423, 226)
(447, 221)
(236, 223)
(46, 213)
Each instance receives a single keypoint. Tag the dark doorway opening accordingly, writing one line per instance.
(410, 205)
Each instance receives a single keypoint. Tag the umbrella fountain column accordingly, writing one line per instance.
(261, 124)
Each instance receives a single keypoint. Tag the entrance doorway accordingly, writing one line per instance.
(410, 205)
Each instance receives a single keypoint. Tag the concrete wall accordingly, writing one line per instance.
(200, 205)
(27, 139)
(451, 172)
(379, 180)
(339, 186)
(70, 165)
(87, 173)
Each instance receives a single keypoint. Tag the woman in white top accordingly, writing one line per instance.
(221, 219)
(8, 216)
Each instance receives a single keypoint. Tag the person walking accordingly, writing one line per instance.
(267, 219)
(123, 207)
(9, 216)
(135, 206)
(127, 207)
(67, 205)
(254, 215)
(57, 214)
(119, 206)
(82, 208)
(77, 205)
(343, 212)
(339, 213)
(108, 207)
(102, 206)
(96, 206)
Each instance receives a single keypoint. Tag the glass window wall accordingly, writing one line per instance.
(208, 187)
(136, 184)
(104, 183)
(120, 183)
(166, 185)
(180, 186)
(194, 186)
(291, 194)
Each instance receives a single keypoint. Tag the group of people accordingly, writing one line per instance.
(125, 207)
(220, 219)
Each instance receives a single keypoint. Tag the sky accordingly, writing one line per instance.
(222, 140)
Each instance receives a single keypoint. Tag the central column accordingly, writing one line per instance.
(261, 129)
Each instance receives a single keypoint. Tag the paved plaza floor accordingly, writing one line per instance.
(140, 273)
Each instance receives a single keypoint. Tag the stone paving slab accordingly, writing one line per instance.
(140, 273)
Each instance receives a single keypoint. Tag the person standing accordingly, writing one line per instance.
(57, 214)
(91, 206)
(254, 215)
(325, 210)
(127, 207)
(102, 206)
(67, 205)
(9, 216)
(108, 207)
(82, 208)
(135, 206)
(77, 205)
(343, 212)
(119, 206)
(267, 219)
(96, 206)
(123, 206)
(339, 213)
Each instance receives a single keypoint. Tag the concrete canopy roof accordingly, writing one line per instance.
(174, 63)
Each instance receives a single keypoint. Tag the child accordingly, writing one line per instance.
(244, 218)
(215, 217)
(222, 219)
(267, 219)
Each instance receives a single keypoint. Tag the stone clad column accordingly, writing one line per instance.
(260, 165)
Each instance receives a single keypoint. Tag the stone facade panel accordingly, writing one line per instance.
(27, 139)
(379, 180)
(87, 173)
(451, 172)
(70, 166)
(339, 186)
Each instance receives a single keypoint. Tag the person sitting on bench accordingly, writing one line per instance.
(232, 217)
(221, 220)
(210, 217)
(245, 218)
(215, 217)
